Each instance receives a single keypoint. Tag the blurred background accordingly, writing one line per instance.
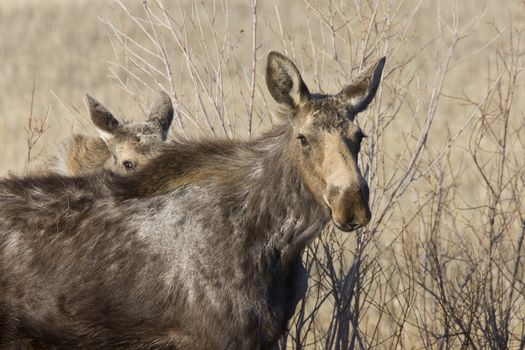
(441, 264)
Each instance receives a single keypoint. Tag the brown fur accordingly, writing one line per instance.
(86, 154)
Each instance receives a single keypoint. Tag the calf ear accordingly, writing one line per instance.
(161, 112)
(284, 81)
(361, 91)
(104, 121)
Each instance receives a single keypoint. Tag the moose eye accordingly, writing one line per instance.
(302, 140)
(128, 165)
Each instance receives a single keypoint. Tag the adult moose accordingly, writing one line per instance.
(122, 147)
(199, 249)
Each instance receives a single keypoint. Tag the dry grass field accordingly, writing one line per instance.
(441, 265)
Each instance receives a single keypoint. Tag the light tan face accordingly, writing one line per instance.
(327, 147)
(132, 145)
(325, 140)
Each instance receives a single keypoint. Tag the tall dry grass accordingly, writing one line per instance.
(441, 265)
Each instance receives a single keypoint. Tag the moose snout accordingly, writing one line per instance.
(349, 208)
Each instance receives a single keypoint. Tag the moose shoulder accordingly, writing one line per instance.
(198, 250)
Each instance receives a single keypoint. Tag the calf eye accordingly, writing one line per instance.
(302, 140)
(128, 165)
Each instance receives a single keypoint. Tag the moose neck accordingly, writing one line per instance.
(280, 211)
(258, 182)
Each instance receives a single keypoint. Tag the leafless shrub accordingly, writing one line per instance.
(476, 279)
(36, 126)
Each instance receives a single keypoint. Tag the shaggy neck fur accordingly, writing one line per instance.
(258, 182)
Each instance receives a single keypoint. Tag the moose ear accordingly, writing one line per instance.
(361, 91)
(284, 80)
(104, 121)
(161, 112)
